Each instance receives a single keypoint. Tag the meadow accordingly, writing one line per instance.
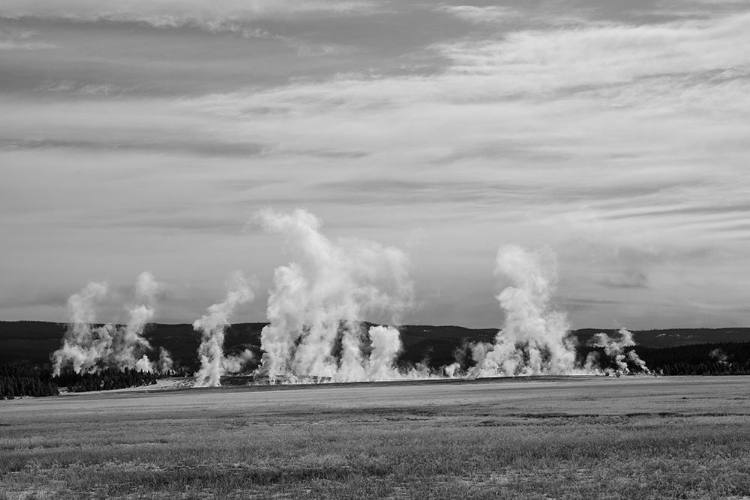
(574, 437)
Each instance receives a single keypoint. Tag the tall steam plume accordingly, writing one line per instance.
(212, 327)
(320, 297)
(534, 339)
(88, 349)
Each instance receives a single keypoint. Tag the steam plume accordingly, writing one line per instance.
(89, 349)
(81, 345)
(719, 355)
(534, 339)
(165, 364)
(130, 342)
(615, 350)
(212, 327)
(320, 297)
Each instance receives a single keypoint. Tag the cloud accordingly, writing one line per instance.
(21, 298)
(512, 107)
(206, 148)
(155, 125)
(22, 40)
(222, 15)
(700, 210)
(668, 73)
(486, 14)
(493, 125)
(551, 60)
(14, 45)
(698, 8)
(74, 88)
(632, 279)
(575, 304)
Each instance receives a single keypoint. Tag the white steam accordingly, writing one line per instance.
(88, 349)
(130, 342)
(719, 355)
(534, 339)
(315, 312)
(82, 347)
(165, 363)
(212, 327)
(235, 363)
(614, 348)
(320, 297)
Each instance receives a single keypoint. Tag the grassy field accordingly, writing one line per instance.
(667, 437)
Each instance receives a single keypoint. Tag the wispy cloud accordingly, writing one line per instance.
(22, 40)
(219, 16)
(618, 139)
(485, 14)
(632, 279)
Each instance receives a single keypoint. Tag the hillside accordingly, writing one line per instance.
(33, 341)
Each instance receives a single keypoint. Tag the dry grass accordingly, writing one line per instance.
(499, 441)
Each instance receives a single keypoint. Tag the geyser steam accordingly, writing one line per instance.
(315, 312)
(615, 349)
(89, 349)
(320, 297)
(534, 339)
(212, 327)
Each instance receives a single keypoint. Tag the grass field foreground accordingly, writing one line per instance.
(568, 438)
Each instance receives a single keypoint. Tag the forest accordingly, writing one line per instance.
(26, 380)
(725, 358)
(25, 369)
(105, 380)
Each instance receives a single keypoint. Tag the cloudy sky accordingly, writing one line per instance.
(144, 135)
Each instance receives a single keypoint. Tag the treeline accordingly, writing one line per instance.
(724, 358)
(105, 380)
(709, 368)
(22, 380)
(720, 358)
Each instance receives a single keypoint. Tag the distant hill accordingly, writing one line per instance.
(675, 337)
(34, 341)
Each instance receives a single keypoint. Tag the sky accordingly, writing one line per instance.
(145, 136)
